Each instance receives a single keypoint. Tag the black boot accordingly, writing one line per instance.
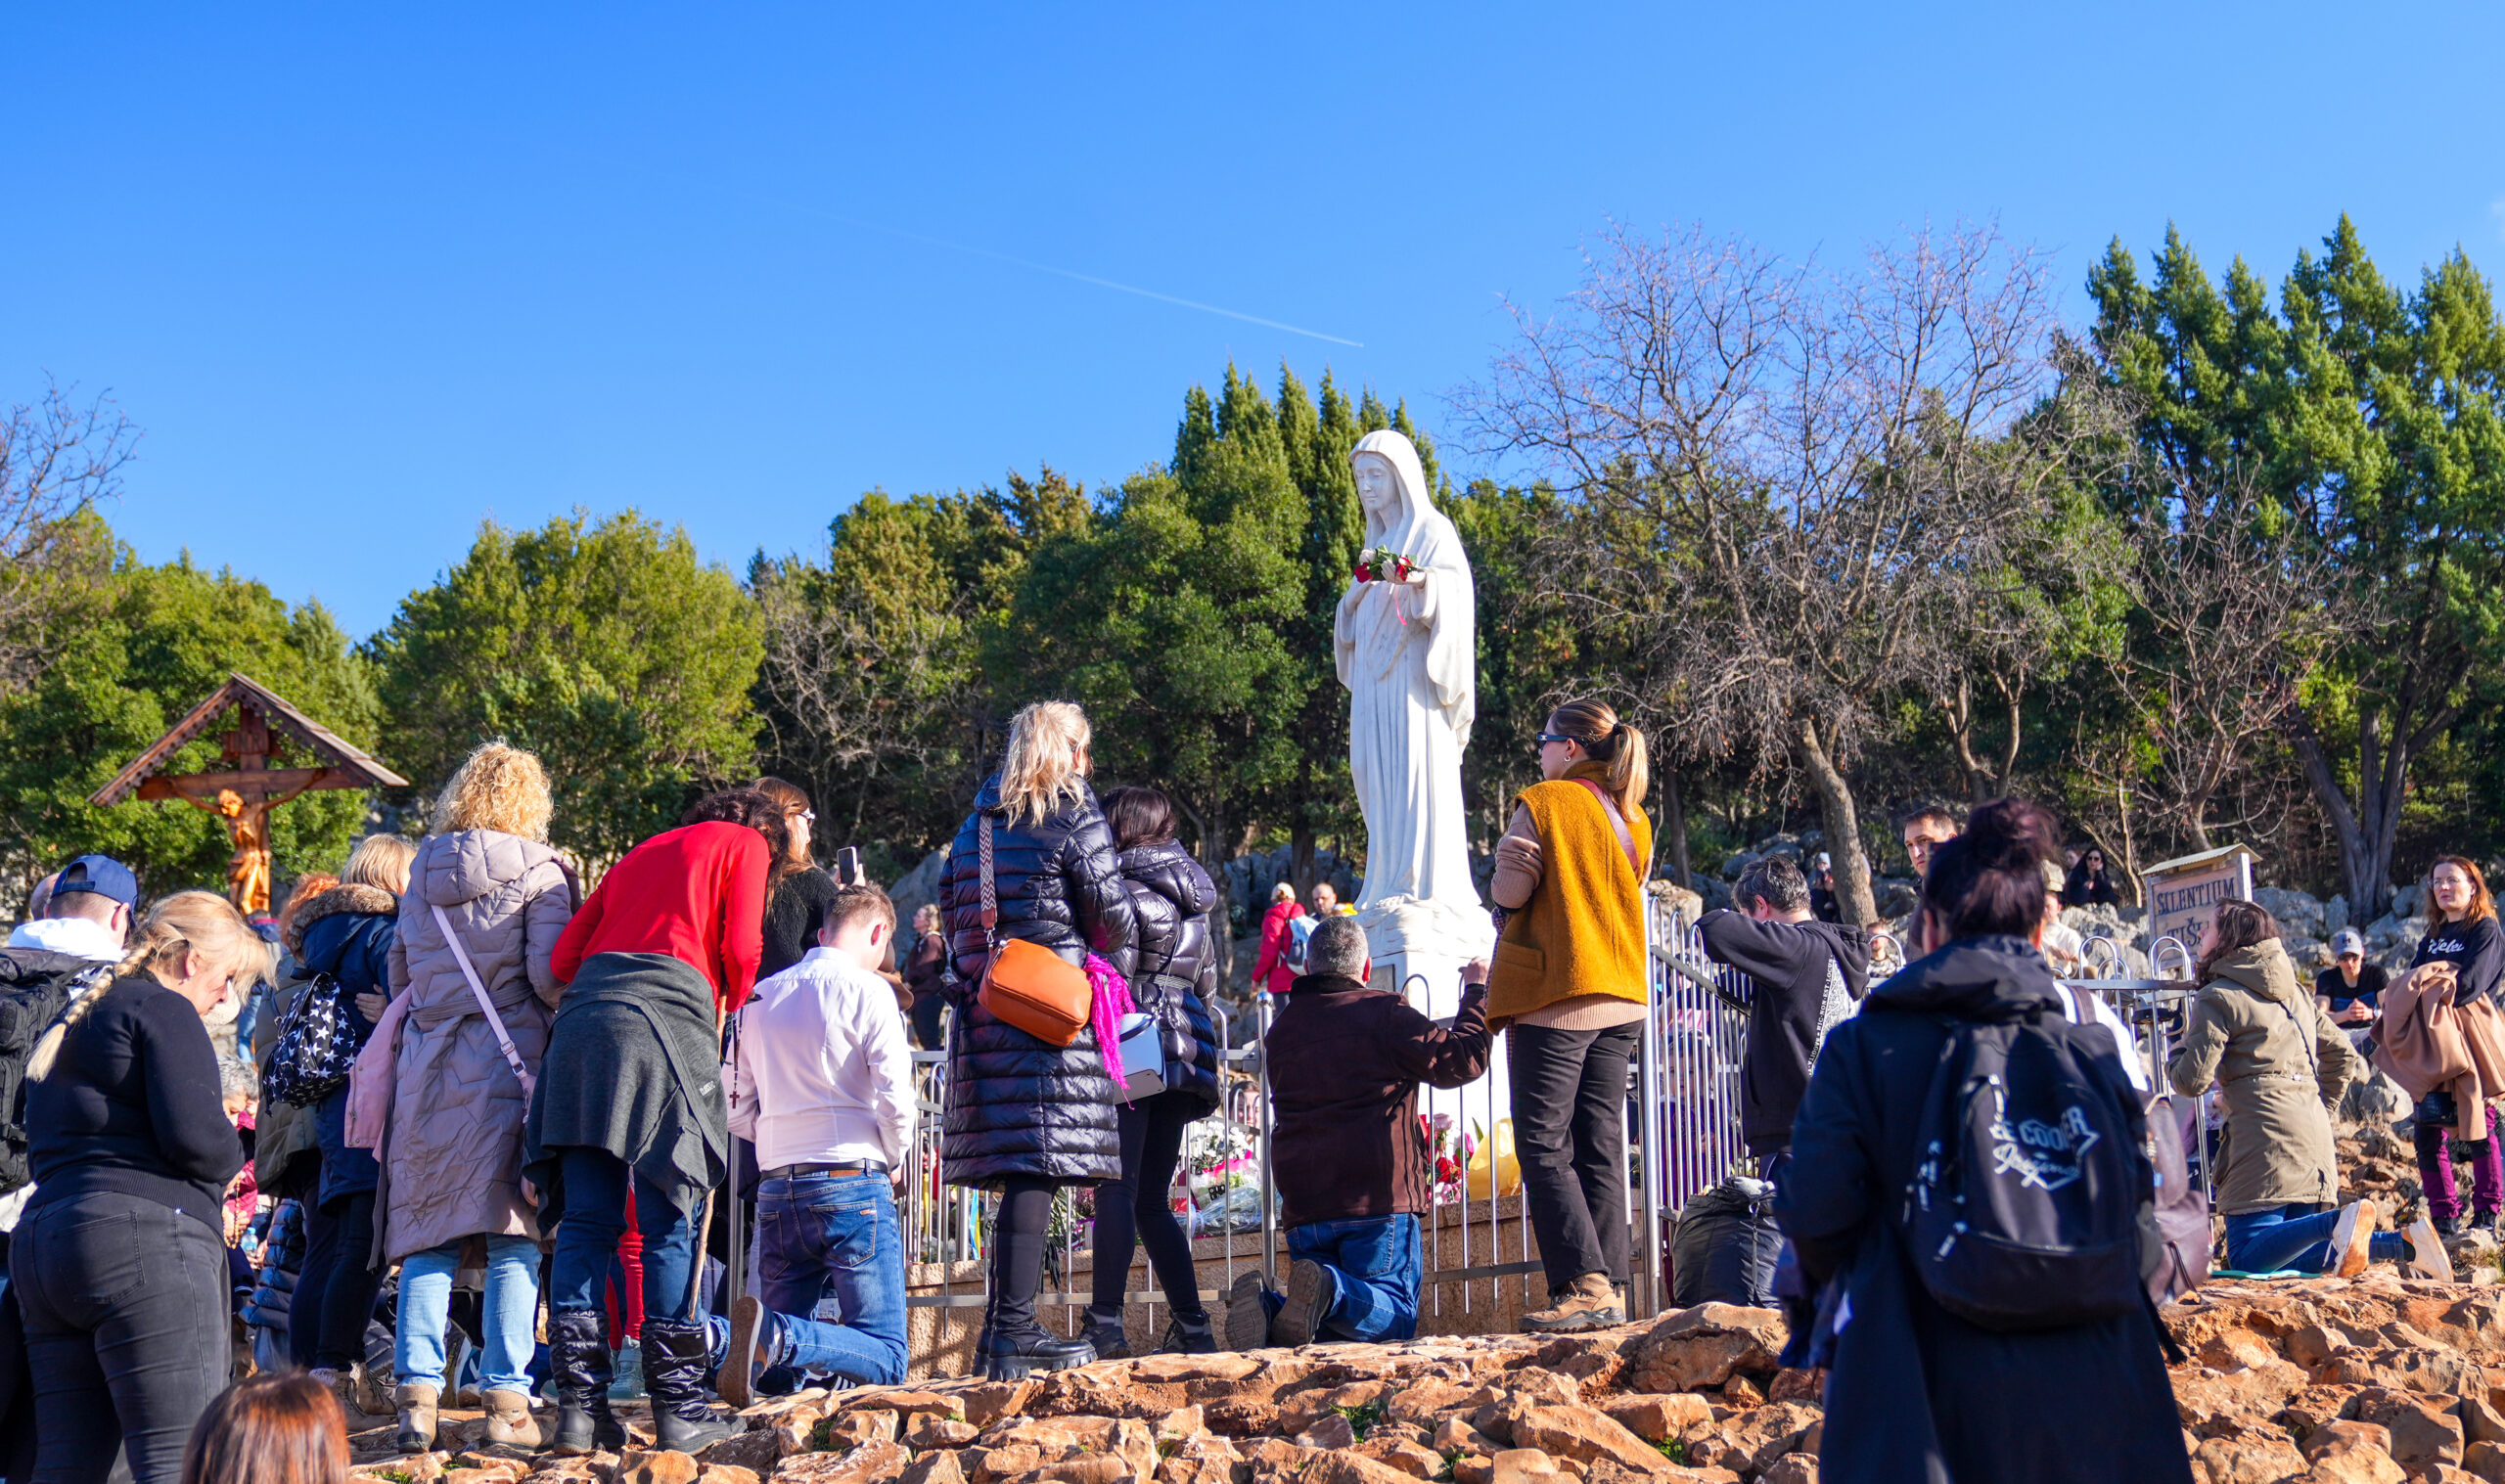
(1105, 1335)
(676, 1355)
(1014, 1353)
(578, 1358)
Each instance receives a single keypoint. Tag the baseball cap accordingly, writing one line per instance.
(101, 875)
(2348, 941)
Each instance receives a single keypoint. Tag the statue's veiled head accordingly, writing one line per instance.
(1391, 487)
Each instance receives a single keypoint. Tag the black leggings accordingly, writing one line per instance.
(348, 1289)
(1018, 1237)
(1134, 1208)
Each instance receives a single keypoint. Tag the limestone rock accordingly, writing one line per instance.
(987, 1404)
(1330, 1431)
(1658, 1417)
(667, 1466)
(1792, 1468)
(860, 1425)
(2423, 1430)
(937, 1468)
(1347, 1467)
(1705, 1346)
(727, 1473)
(2246, 1460)
(868, 1463)
(1403, 1453)
(929, 1429)
(1586, 1435)
(757, 1450)
(1523, 1466)
(1769, 1432)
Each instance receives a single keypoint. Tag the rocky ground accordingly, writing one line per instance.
(2321, 1381)
(2325, 1380)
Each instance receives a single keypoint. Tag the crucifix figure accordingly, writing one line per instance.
(248, 872)
(250, 780)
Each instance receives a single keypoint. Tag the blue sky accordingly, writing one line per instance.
(367, 275)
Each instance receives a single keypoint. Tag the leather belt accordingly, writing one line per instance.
(803, 1171)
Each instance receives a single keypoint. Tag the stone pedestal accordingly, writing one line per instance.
(1411, 941)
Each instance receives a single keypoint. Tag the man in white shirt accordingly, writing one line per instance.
(821, 1078)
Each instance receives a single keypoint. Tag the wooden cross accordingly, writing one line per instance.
(245, 790)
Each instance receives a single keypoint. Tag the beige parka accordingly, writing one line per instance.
(2280, 1066)
(452, 1161)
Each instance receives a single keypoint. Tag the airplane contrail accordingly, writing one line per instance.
(1084, 278)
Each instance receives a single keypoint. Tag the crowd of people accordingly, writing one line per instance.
(490, 1124)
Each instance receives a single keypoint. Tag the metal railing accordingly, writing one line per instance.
(1684, 1138)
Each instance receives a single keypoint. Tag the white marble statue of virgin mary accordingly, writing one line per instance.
(1408, 654)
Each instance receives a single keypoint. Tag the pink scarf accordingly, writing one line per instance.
(1113, 1002)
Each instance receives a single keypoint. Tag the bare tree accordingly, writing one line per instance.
(2234, 613)
(861, 688)
(57, 458)
(1783, 481)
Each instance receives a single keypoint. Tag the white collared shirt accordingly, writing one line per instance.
(821, 1072)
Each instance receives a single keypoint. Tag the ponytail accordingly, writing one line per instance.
(1607, 740)
(185, 922)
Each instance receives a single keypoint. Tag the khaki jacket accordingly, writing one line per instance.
(2280, 1066)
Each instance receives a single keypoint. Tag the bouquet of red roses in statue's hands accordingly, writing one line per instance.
(1375, 565)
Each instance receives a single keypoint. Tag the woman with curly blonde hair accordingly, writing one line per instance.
(119, 1262)
(486, 887)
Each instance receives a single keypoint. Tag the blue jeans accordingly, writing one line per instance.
(1374, 1265)
(2296, 1238)
(513, 1302)
(830, 1264)
(595, 1218)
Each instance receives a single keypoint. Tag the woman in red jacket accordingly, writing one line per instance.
(1270, 971)
(629, 1099)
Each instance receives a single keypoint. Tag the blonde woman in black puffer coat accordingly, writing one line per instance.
(1026, 1117)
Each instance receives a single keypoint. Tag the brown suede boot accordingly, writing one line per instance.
(509, 1418)
(1589, 1302)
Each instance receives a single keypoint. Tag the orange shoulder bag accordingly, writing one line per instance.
(1026, 984)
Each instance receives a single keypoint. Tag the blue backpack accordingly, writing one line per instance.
(2032, 1203)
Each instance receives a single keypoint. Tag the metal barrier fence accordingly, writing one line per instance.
(1684, 1138)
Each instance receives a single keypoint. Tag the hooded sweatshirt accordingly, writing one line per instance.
(1809, 978)
(2280, 1066)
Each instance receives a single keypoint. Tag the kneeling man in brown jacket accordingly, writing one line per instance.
(1345, 1148)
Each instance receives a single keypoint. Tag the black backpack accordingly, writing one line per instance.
(32, 998)
(2030, 1206)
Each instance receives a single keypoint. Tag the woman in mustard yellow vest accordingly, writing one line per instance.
(1569, 988)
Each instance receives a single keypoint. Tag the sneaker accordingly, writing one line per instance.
(626, 1365)
(1187, 1339)
(2427, 1258)
(1591, 1302)
(1248, 1318)
(1308, 1300)
(2351, 1239)
(752, 1350)
(2448, 1226)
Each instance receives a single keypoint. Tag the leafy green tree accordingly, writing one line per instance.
(134, 652)
(610, 648)
(2367, 417)
(872, 688)
(1167, 616)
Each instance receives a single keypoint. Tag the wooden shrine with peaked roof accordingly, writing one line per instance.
(268, 732)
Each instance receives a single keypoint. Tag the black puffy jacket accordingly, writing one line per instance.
(1019, 1105)
(1177, 972)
